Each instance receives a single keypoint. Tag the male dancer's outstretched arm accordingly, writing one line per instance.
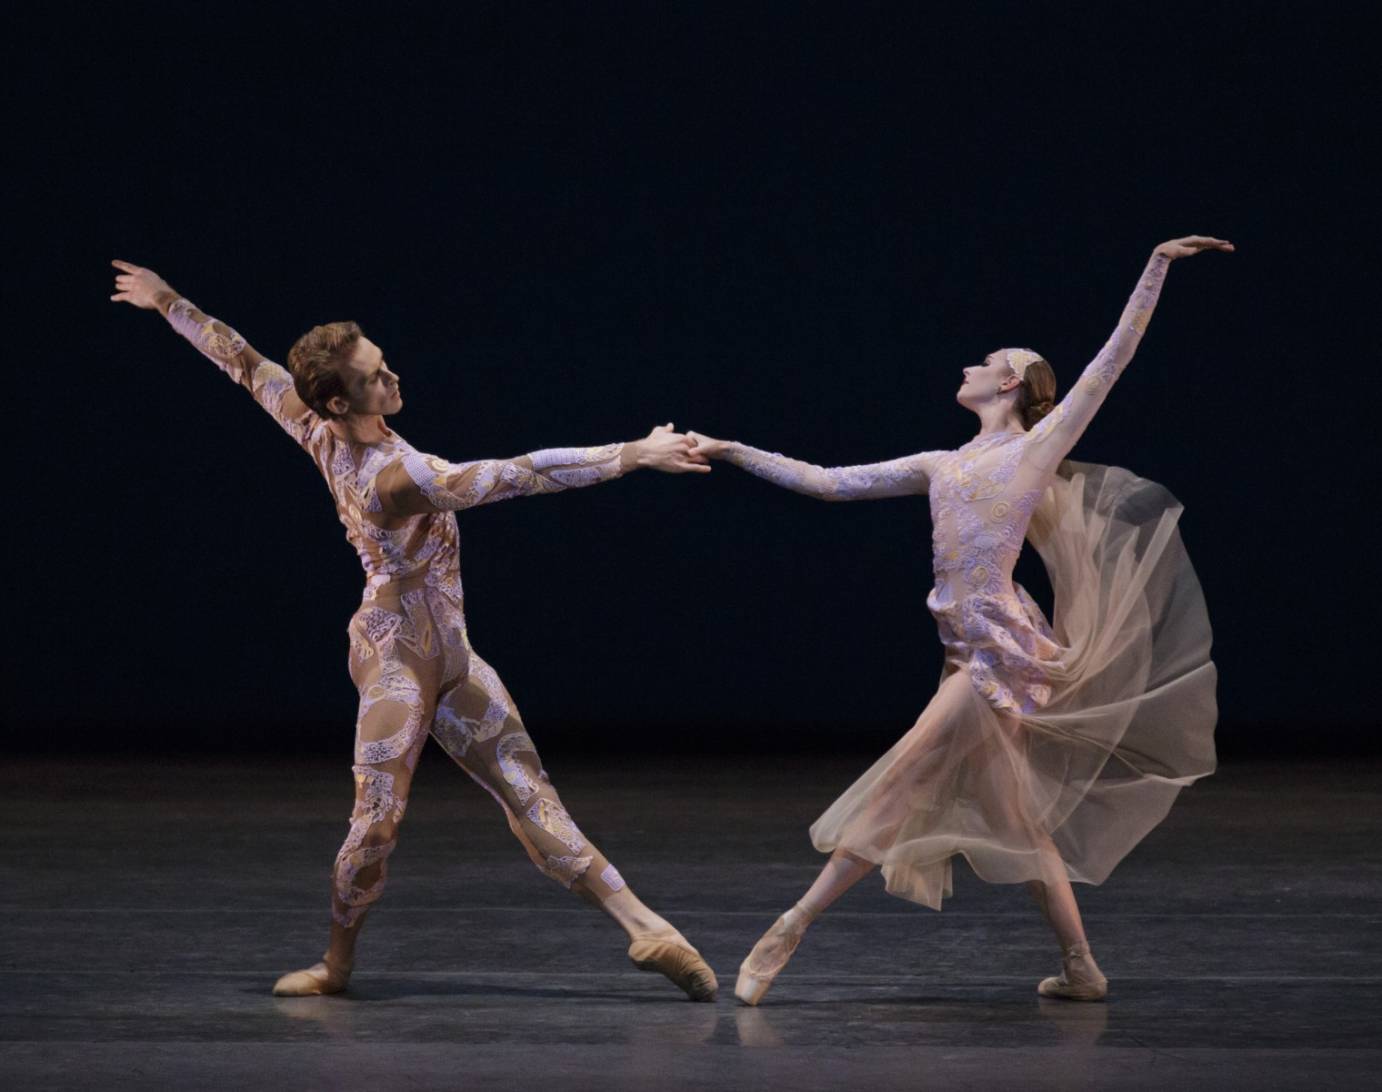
(269, 383)
(418, 483)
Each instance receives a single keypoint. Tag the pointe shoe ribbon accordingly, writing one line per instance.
(1079, 980)
(325, 977)
(679, 963)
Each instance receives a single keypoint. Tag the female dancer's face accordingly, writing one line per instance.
(370, 386)
(982, 382)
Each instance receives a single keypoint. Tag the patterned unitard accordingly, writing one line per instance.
(410, 654)
(1081, 733)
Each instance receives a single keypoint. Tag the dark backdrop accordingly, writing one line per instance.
(786, 224)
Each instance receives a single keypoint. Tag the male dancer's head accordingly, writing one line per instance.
(341, 373)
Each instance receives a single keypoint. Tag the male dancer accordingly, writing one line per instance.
(410, 655)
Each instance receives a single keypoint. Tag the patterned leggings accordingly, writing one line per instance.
(412, 662)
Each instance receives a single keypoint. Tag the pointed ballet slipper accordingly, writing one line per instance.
(319, 979)
(678, 962)
(772, 952)
(1079, 980)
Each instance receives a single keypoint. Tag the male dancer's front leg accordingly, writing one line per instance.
(479, 727)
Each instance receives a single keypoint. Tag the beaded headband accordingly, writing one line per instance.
(1018, 359)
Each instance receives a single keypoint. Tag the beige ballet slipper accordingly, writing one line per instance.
(677, 961)
(1079, 980)
(324, 977)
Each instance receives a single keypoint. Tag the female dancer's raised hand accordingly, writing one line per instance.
(1192, 244)
(137, 285)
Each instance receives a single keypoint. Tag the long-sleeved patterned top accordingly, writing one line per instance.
(398, 504)
(982, 496)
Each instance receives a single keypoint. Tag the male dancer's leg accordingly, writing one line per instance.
(479, 727)
(396, 706)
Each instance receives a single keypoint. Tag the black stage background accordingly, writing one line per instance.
(786, 224)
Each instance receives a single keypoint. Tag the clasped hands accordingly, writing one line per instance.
(676, 452)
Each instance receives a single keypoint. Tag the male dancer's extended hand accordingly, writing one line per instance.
(141, 287)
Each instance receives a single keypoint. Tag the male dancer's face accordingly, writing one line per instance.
(371, 387)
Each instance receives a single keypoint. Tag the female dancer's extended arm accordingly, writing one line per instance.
(1055, 434)
(910, 474)
(420, 483)
(270, 384)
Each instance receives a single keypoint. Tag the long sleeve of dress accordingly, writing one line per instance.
(1055, 434)
(910, 474)
(269, 383)
(420, 483)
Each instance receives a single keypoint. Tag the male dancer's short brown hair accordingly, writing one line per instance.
(315, 360)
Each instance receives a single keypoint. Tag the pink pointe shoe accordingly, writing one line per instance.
(770, 955)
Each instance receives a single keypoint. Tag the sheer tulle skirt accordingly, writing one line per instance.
(1129, 722)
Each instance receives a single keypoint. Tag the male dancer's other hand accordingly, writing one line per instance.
(139, 286)
(668, 451)
(706, 447)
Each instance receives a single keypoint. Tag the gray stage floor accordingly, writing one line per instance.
(149, 908)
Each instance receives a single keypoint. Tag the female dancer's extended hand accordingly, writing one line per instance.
(137, 285)
(706, 447)
(1192, 244)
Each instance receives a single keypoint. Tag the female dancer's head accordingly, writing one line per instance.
(341, 373)
(1017, 379)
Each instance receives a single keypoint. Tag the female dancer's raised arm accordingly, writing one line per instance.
(908, 475)
(1056, 433)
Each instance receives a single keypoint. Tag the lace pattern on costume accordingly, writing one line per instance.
(375, 805)
(268, 382)
(512, 771)
(554, 819)
(895, 478)
(567, 870)
(574, 467)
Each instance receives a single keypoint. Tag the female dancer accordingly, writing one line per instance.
(410, 654)
(1048, 751)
